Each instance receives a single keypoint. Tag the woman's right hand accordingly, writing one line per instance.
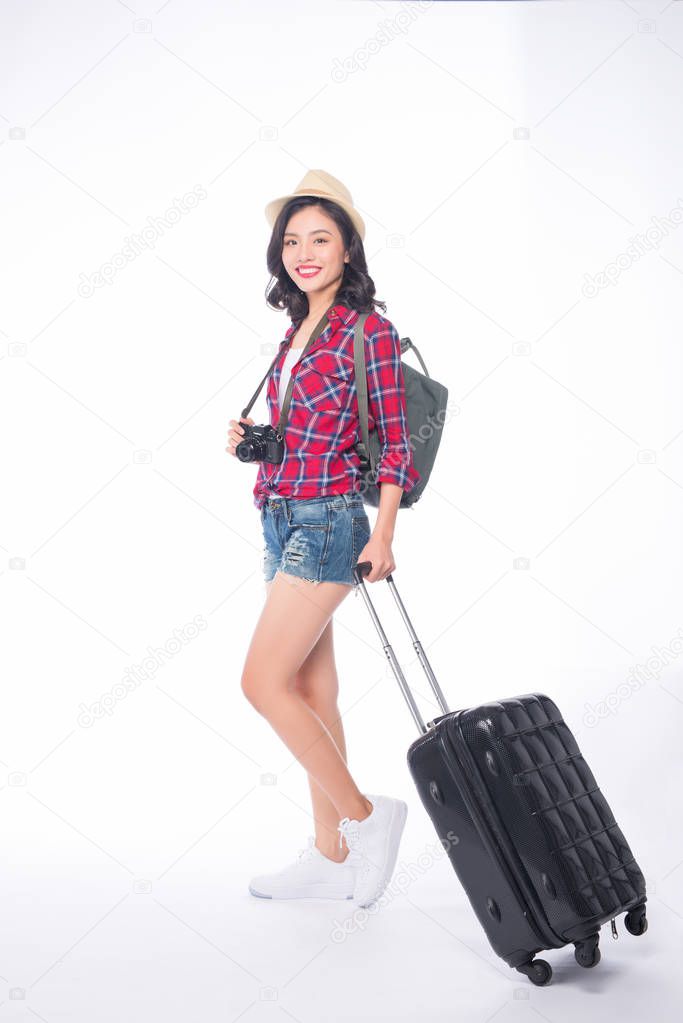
(235, 435)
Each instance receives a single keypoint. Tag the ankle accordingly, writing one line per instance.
(368, 808)
(333, 852)
(361, 810)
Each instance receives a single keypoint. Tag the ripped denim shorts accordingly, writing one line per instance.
(318, 538)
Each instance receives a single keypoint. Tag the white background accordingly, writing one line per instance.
(502, 155)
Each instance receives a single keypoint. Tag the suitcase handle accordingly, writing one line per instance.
(364, 568)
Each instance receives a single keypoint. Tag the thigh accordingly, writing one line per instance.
(316, 680)
(295, 615)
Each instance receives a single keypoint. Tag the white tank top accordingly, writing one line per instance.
(291, 357)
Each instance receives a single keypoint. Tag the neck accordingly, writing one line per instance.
(318, 306)
(314, 315)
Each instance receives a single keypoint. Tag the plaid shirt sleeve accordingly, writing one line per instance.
(387, 406)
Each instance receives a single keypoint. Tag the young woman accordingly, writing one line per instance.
(316, 528)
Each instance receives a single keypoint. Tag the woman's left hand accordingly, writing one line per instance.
(378, 551)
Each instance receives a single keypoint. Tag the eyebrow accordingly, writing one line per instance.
(319, 230)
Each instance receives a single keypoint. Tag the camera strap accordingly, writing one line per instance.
(284, 412)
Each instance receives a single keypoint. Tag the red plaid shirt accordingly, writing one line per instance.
(323, 423)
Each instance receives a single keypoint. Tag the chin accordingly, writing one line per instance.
(314, 282)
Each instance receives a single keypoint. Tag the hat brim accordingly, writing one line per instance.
(274, 207)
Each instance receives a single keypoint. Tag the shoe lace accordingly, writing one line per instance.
(305, 854)
(348, 829)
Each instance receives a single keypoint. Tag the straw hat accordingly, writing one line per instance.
(323, 185)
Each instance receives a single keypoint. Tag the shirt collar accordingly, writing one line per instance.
(337, 314)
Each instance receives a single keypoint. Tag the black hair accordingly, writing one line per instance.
(357, 288)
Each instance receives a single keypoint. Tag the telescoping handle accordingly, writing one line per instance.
(363, 568)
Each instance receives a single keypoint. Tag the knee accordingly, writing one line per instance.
(319, 697)
(263, 690)
(251, 689)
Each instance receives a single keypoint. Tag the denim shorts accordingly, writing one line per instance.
(317, 538)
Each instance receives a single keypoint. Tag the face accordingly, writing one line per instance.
(313, 240)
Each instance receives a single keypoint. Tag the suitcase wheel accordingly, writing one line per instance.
(635, 921)
(586, 952)
(538, 971)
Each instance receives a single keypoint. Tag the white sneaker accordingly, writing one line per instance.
(312, 876)
(375, 841)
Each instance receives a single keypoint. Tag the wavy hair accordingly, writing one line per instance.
(357, 288)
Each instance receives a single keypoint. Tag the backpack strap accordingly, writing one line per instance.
(406, 343)
(363, 446)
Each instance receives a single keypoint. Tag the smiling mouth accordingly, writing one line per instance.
(308, 271)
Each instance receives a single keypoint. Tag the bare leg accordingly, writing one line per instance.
(318, 685)
(292, 620)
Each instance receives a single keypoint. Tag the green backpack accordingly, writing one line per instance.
(426, 407)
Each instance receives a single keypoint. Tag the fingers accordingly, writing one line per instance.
(381, 568)
(379, 571)
(235, 435)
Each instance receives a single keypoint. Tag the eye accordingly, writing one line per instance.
(292, 241)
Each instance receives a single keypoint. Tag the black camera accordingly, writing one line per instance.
(260, 444)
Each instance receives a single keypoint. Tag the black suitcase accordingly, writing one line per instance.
(525, 826)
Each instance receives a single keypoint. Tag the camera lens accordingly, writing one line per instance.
(245, 451)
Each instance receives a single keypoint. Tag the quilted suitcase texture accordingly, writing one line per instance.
(518, 811)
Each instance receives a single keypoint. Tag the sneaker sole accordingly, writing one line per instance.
(312, 892)
(399, 815)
